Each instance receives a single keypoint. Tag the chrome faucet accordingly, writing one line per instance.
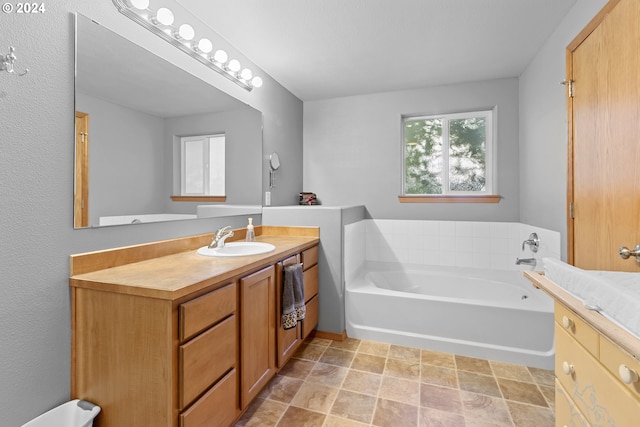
(526, 261)
(220, 236)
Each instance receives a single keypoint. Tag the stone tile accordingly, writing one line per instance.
(316, 397)
(549, 394)
(521, 392)
(441, 398)
(262, 413)
(362, 382)
(338, 357)
(471, 364)
(437, 358)
(281, 388)
(329, 375)
(401, 369)
(512, 372)
(407, 354)
(319, 341)
(429, 417)
(531, 416)
(482, 410)
(390, 413)
(308, 351)
(439, 376)
(476, 383)
(297, 368)
(543, 376)
(369, 363)
(374, 348)
(298, 417)
(350, 344)
(355, 406)
(400, 390)
(333, 421)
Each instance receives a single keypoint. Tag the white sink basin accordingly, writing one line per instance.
(233, 249)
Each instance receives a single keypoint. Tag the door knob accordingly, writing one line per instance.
(625, 253)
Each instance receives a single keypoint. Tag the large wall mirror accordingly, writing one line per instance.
(133, 111)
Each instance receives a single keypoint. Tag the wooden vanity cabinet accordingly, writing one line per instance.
(175, 339)
(257, 332)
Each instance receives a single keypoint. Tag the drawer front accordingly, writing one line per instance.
(206, 358)
(202, 312)
(310, 257)
(311, 317)
(599, 396)
(219, 407)
(577, 328)
(622, 366)
(310, 278)
(567, 414)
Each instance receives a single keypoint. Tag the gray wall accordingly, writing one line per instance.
(36, 171)
(353, 149)
(126, 172)
(543, 127)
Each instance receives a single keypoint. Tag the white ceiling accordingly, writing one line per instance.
(321, 49)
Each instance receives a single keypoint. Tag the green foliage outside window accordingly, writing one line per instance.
(446, 154)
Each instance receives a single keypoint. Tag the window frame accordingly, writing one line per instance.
(206, 166)
(489, 195)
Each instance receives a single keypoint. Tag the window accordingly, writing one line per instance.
(202, 170)
(448, 154)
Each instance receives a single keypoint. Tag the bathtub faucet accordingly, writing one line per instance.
(526, 261)
(220, 236)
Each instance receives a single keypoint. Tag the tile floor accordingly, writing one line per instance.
(355, 383)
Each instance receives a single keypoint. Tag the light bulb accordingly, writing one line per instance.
(220, 56)
(246, 74)
(139, 4)
(185, 32)
(204, 46)
(256, 82)
(163, 16)
(234, 65)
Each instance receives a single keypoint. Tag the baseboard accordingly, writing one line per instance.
(330, 335)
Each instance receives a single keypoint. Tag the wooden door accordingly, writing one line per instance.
(81, 180)
(257, 332)
(603, 65)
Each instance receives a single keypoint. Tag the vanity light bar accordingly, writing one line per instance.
(161, 23)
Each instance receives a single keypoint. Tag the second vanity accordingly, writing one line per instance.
(163, 336)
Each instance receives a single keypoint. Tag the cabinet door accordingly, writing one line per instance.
(257, 332)
(288, 339)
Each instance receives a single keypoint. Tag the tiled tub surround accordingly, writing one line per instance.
(358, 383)
(506, 319)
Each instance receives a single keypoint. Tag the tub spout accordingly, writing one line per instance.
(526, 261)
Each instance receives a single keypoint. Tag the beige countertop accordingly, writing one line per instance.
(173, 269)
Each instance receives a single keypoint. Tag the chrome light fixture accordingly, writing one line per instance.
(162, 22)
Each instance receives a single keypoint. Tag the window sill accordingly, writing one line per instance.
(449, 199)
(199, 198)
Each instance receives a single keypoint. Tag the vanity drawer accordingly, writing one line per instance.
(206, 358)
(597, 394)
(577, 328)
(310, 257)
(310, 278)
(217, 408)
(311, 317)
(616, 360)
(567, 414)
(202, 312)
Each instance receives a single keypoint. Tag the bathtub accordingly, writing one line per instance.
(134, 219)
(489, 314)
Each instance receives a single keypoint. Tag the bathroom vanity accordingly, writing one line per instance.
(163, 336)
(596, 364)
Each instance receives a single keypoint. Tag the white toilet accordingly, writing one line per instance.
(76, 413)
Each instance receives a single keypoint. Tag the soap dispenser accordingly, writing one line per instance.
(251, 235)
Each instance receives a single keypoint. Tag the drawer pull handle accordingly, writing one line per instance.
(627, 375)
(567, 323)
(568, 369)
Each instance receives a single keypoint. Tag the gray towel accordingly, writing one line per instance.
(293, 308)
